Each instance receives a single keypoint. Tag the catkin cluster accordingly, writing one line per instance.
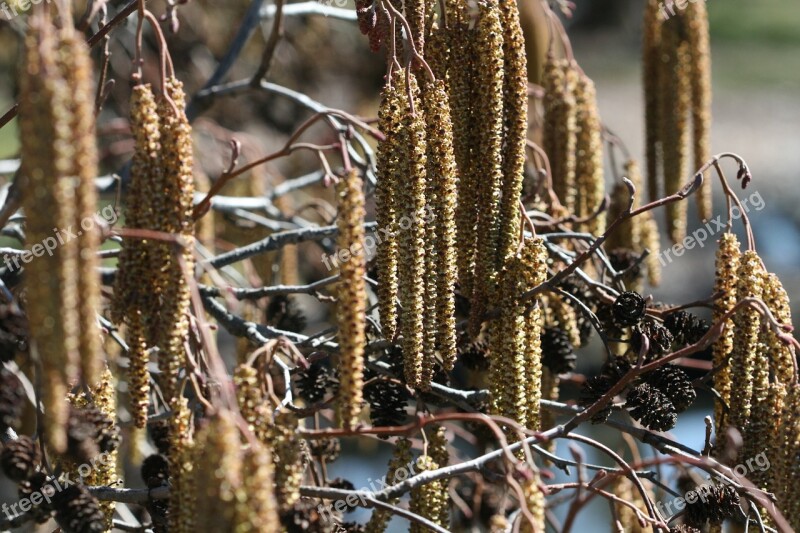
(400, 461)
(59, 164)
(152, 292)
(429, 499)
(677, 82)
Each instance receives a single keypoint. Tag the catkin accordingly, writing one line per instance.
(560, 127)
(76, 67)
(787, 471)
(182, 496)
(781, 354)
(697, 35)
(48, 201)
(390, 150)
(218, 473)
(675, 97)
(535, 502)
(441, 175)
(651, 68)
(351, 307)
(256, 507)
(173, 214)
(411, 260)
(437, 450)
(489, 114)
(433, 173)
(428, 499)
(746, 324)
(727, 266)
(287, 457)
(589, 161)
(515, 112)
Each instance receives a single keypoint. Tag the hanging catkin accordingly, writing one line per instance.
(589, 160)
(76, 67)
(256, 507)
(433, 200)
(218, 472)
(676, 99)
(781, 354)
(560, 137)
(411, 259)
(750, 279)
(441, 175)
(428, 499)
(515, 111)
(535, 259)
(393, 105)
(489, 114)
(535, 502)
(173, 214)
(787, 471)
(400, 462)
(651, 68)
(727, 266)
(48, 200)
(697, 35)
(351, 307)
(182, 494)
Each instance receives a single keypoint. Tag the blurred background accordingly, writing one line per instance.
(756, 75)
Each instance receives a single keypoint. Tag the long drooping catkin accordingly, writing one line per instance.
(515, 111)
(534, 256)
(675, 97)
(727, 266)
(696, 16)
(76, 67)
(489, 114)
(411, 260)
(427, 500)
(432, 203)
(651, 68)
(441, 176)
(560, 133)
(787, 471)
(256, 507)
(393, 105)
(218, 472)
(400, 461)
(48, 201)
(134, 291)
(750, 279)
(351, 307)
(535, 502)
(172, 211)
(589, 160)
(781, 354)
(462, 86)
(182, 494)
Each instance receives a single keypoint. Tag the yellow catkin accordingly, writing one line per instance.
(727, 266)
(781, 354)
(463, 85)
(746, 324)
(562, 315)
(773, 415)
(76, 66)
(48, 201)
(589, 166)
(393, 105)
(627, 521)
(535, 259)
(287, 458)
(135, 281)
(651, 61)
(411, 260)
(437, 449)
(182, 495)
(415, 15)
(441, 175)
(427, 500)
(256, 507)
(550, 390)
(248, 394)
(173, 214)
(560, 134)
(351, 307)
(535, 502)
(218, 474)
(433, 173)
(400, 462)
(675, 90)
(489, 114)
(515, 111)
(786, 472)
(696, 16)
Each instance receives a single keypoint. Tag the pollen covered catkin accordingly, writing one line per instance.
(400, 462)
(351, 307)
(182, 495)
(515, 110)
(489, 114)
(48, 199)
(589, 160)
(698, 37)
(535, 502)
(428, 499)
(781, 354)
(441, 176)
(389, 154)
(727, 266)
(411, 260)
(76, 67)
(675, 97)
(218, 472)
(651, 68)
(173, 214)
